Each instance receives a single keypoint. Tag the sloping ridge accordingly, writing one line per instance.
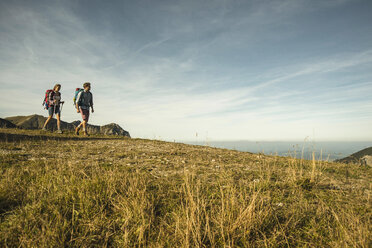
(6, 124)
(357, 157)
(37, 122)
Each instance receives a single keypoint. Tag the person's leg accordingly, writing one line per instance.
(47, 121)
(77, 129)
(86, 119)
(59, 122)
(58, 116)
(85, 127)
(50, 112)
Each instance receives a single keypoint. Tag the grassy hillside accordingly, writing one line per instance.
(356, 157)
(146, 193)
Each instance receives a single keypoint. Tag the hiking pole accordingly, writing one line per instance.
(60, 110)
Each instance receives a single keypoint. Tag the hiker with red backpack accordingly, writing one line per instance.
(52, 102)
(83, 102)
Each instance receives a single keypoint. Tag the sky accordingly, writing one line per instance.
(196, 70)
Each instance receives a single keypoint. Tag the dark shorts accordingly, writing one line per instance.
(53, 110)
(84, 114)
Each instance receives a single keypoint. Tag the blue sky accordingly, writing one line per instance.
(224, 70)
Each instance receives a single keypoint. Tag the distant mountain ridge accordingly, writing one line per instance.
(37, 122)
(363, 157)
(6, 124)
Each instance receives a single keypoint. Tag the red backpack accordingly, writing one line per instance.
(46, 99)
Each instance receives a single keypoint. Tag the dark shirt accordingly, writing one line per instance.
(54, 96)
(86, 99)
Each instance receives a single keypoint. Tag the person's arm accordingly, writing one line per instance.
(91, 102)
(50, 98)
(60, 98)
(77, 102)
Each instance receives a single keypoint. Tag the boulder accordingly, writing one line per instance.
(366, 160)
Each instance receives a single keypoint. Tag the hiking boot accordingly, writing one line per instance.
(77, 130)
(59, 131)
(44, 129)
(86, 133)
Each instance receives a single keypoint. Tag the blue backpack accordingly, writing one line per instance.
(77, 91)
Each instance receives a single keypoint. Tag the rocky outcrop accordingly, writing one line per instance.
(113, 129)
(363, 157)
(37, 122)
(366, 160)
(6, 124)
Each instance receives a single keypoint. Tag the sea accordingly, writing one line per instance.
(327, 151)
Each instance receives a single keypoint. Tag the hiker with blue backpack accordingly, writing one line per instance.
(52, 102)
(83, 102)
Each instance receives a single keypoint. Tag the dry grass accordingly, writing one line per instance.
(145, 193)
